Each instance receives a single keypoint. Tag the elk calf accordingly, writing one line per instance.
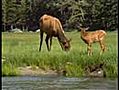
(91, 37)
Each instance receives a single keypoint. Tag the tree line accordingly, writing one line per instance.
(25, 14)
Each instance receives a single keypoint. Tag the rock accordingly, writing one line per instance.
(38, 30)
(31, 31)
(16, 30)
(99, 73)
(95, 71)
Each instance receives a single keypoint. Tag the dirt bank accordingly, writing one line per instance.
(35, 71)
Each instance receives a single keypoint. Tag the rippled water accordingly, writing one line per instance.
(57, 83)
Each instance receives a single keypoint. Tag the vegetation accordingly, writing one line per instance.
(21, 49)
(93, 13)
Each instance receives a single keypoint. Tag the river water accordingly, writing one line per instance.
(58, 83)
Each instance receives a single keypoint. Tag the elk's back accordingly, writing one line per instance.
(50, 25)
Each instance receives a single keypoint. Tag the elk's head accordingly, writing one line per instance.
(66, 44)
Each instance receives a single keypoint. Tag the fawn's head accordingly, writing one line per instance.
(83, 29)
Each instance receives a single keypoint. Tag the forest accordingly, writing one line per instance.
(25, 14)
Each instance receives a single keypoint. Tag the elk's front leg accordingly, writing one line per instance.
(46, 40)
(41, 40)
(60, 43)
(50, 42)
(89, 50)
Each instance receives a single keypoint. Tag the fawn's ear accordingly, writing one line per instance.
(80, 28)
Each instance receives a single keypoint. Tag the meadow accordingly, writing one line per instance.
(21, 49)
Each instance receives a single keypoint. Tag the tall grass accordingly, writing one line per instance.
(21, 49)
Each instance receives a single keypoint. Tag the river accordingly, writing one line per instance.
(57, 83)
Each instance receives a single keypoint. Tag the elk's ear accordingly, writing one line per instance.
(87, 28)
(69, 40)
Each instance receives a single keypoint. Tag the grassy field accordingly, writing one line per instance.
(21, 49)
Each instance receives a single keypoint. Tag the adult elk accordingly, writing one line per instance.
(53, 28)
(91, 37)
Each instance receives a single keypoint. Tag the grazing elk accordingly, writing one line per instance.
(53, 28)
(91, 37)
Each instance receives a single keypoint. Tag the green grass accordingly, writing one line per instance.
(21, 49)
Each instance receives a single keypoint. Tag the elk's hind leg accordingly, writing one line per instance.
(50, 42)
(41, 40)
(46, 40)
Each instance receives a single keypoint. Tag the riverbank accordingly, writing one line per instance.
(91, 71)
(35, 71)
(21, 50)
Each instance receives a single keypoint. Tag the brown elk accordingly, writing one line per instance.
(91, 37)
(53, 28)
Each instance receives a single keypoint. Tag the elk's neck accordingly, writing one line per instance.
(61, 36)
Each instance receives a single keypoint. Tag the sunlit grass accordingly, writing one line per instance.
(21, 49)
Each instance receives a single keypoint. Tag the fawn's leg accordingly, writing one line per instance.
(89, 50)
(102, 46)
